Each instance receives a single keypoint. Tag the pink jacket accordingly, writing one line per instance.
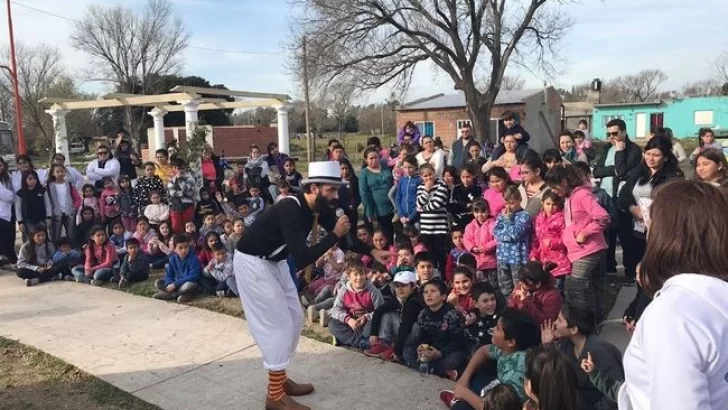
(551, 228)
(583, 214)
(515, 173)
(495, 201)
(482, 237)
(103, 256)
(368, 260)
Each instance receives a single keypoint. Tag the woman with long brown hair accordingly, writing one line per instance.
(711, 166)
(678, 355)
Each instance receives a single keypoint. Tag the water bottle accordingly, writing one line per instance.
(424, 367)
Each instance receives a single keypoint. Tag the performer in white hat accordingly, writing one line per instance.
(269, 295)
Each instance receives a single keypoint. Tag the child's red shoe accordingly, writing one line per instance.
(376, 350)
(388, 354)
(447, 397)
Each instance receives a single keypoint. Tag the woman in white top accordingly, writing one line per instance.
(105, 165)
(431, 155)
(7, 229)
(678, 356)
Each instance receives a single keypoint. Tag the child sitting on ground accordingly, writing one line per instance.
(209, 225)
(512, 232)
(206, 206)
(135, 265)
(227, 227)
(460, 295)
(573, 334)
(424, 268)
(161, 246)
(440, 345)
(220, 268)
(380, 242)
(143, 234)
(100, 258)
(482, 320)
(392, 323)
(514, 334)
(118, 237)
(381, 279)
(231, 241)
(480, 241)
(353, 308)
(83, 229)
(458, 248)
(205, 253)
(411, 232)
(156, 212)
(183, 273)
(546, 245)
(550, 382)
(404, 258)
(536, 294)
(67, 257)
(332, 264)
(35, 260)
(256, 202)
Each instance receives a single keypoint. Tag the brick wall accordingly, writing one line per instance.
(234, 141)
(446, 120)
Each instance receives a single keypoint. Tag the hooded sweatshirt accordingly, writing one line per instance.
(181, 270)
(406, 196)
(541, 305)
(551, 228)
(481, 236)
(689, 371)
(513, 234)
(583, 214)
(353, 304)
(408, 310)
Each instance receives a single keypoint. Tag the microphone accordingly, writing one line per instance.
(349, 241)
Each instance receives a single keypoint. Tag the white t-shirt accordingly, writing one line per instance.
(61, 196)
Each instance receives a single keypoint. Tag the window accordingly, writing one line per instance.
(608, 118)
(703, 117)
(427, 128)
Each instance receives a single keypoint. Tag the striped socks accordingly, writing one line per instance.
(276, 379)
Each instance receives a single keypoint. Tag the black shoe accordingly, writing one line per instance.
(630, 282)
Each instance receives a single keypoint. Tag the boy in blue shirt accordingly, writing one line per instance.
(183, 273)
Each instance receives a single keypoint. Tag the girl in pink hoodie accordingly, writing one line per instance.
(585, 221)
(546, 244)
(498, 180)
(479, 240)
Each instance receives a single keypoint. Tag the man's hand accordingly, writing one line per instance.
(342, 226)
(382, 256)
(171, 288)
(587, 364)
(619, 145)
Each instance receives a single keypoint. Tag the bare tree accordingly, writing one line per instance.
(641, 87)
(720, 67)
(338, 98)
(702, 88)
(132, 51)
(370, 43)
(40, 74)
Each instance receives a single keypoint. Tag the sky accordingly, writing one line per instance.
(241, 43)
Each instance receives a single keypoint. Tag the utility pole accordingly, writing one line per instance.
(309, 145)
(16, 87)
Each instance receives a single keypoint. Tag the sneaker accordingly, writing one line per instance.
(97, 282)
(334, 341)
(452, 375)
(81, 280)
(220, 293)
(32, 282)
(388, 355)
(448, 398)
(311, 314)
(115, 279)
(323, 317)
(69, 278)
(185, 298)
(162, 295)
(304, 301)
(376, 350)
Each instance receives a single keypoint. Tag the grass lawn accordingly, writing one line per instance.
(31, 379)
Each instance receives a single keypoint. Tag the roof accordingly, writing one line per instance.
(458, 100)
(634, 104)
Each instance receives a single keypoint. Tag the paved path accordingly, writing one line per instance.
(180, 357)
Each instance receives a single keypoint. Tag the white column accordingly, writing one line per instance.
(159, 140)
(59, 125)
(283, 137)
(191, 118)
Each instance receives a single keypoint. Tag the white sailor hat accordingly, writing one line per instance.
(323, 172)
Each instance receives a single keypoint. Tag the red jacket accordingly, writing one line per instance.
(541, 305)
(482, 237)
(550, 228)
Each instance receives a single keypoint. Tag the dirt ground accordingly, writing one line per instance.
(30, 379)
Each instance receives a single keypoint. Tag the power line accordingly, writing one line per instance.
(217, 50)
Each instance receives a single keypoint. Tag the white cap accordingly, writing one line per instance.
(323, 172)
(405, 277)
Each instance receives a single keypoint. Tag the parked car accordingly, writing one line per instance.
(76, 148)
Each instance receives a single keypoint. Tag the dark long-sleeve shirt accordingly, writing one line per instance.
(408, 311)
(288, 223)
(443, 330)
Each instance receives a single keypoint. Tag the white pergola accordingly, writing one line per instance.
(180, 98)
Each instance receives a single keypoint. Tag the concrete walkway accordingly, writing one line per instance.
(180, 357)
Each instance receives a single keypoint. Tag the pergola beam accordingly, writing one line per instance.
(142, 100)
(230, 93)
(224, 105)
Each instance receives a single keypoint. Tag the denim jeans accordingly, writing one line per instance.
(63, 221)
(507, 277)
(348, 337)
(104, 274)
(584, 288)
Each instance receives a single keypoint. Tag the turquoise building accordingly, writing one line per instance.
(685, 116)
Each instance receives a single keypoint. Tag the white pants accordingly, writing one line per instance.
(271, 306)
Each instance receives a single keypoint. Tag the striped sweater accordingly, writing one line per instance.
(432, 203)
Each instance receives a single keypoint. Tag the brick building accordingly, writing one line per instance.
(233, 141)
(538, 110)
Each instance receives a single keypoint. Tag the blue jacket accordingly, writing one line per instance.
(513, 237)
(406, 197)
(184, 270)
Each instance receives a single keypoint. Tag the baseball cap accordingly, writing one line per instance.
(405, 277)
